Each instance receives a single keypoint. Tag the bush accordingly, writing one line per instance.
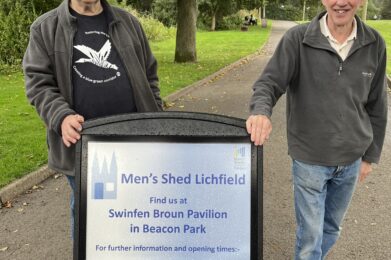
(17, 16)
(165, 11)
(14, 33)
(230, 22)
(283, 12)
(155, 30)
(386, 10)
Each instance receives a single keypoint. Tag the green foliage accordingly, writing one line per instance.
(38, 6)
(373, 11)
(140, 5)
(248, 4)
(230, 22)
(14, 33)
(155, 30)
(218, 8)
(16, 17)
(386, 10)
(165, 11)
(279, 11)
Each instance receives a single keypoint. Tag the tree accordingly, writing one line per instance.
(386, 10)
(307, 6)
(217, 8)
(165, 11)
(140, 5)
(185, 50)
(304, 8)
(16, 17)
(364, 10)
(36, 6)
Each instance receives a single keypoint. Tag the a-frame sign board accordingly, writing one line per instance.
(168, 185)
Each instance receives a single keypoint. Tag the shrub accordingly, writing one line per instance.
(17, 16)
(277, 11)
(165, 11)
(155, 30)
(230, 22)
(386, 10)
(14, 33)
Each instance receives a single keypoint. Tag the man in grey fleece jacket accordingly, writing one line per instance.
(333, 70)
(86, 59)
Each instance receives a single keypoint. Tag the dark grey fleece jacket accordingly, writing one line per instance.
(336, 110)
(47, 69)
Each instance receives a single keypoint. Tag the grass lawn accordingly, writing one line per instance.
(22, 133)
(214, 51)
(384, 28)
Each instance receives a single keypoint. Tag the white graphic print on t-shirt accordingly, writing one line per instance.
(97, 58)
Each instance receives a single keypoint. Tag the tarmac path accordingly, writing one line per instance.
(37, 226)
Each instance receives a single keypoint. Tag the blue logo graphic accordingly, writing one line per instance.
(239, 152)
(104, 180)
(240, 162)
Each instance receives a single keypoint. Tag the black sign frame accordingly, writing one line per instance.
(170, 127)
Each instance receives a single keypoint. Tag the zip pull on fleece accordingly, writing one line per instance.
(340, 68)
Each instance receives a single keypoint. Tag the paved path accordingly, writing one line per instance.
(37, 227)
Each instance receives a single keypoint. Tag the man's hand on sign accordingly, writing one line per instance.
(260, 127)
(70, 128)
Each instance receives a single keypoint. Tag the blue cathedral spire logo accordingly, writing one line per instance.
(104, 179)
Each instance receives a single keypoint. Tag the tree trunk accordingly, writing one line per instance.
(185, 50)
(260, 13)
(213, 26)
(364, 10)
(304, 9)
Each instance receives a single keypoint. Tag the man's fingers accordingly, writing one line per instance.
(76, 125)
(259, 128)
(71, 126)
(263, 135)
(80, 118)
(249, 124)
(365, 170)
(65, 141)
(258, 132)
(73, 135)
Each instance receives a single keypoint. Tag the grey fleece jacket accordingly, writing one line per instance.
(336, 110)
(47, 69)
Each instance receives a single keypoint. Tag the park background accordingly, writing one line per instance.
(220, 39)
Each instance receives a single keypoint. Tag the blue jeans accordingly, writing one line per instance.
(322, 196)
(71, 181)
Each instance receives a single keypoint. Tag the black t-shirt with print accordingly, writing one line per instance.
(100, 84)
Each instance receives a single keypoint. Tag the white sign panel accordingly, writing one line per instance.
(162, 200)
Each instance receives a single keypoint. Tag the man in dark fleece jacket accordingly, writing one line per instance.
(333, 70)
(86, 59)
